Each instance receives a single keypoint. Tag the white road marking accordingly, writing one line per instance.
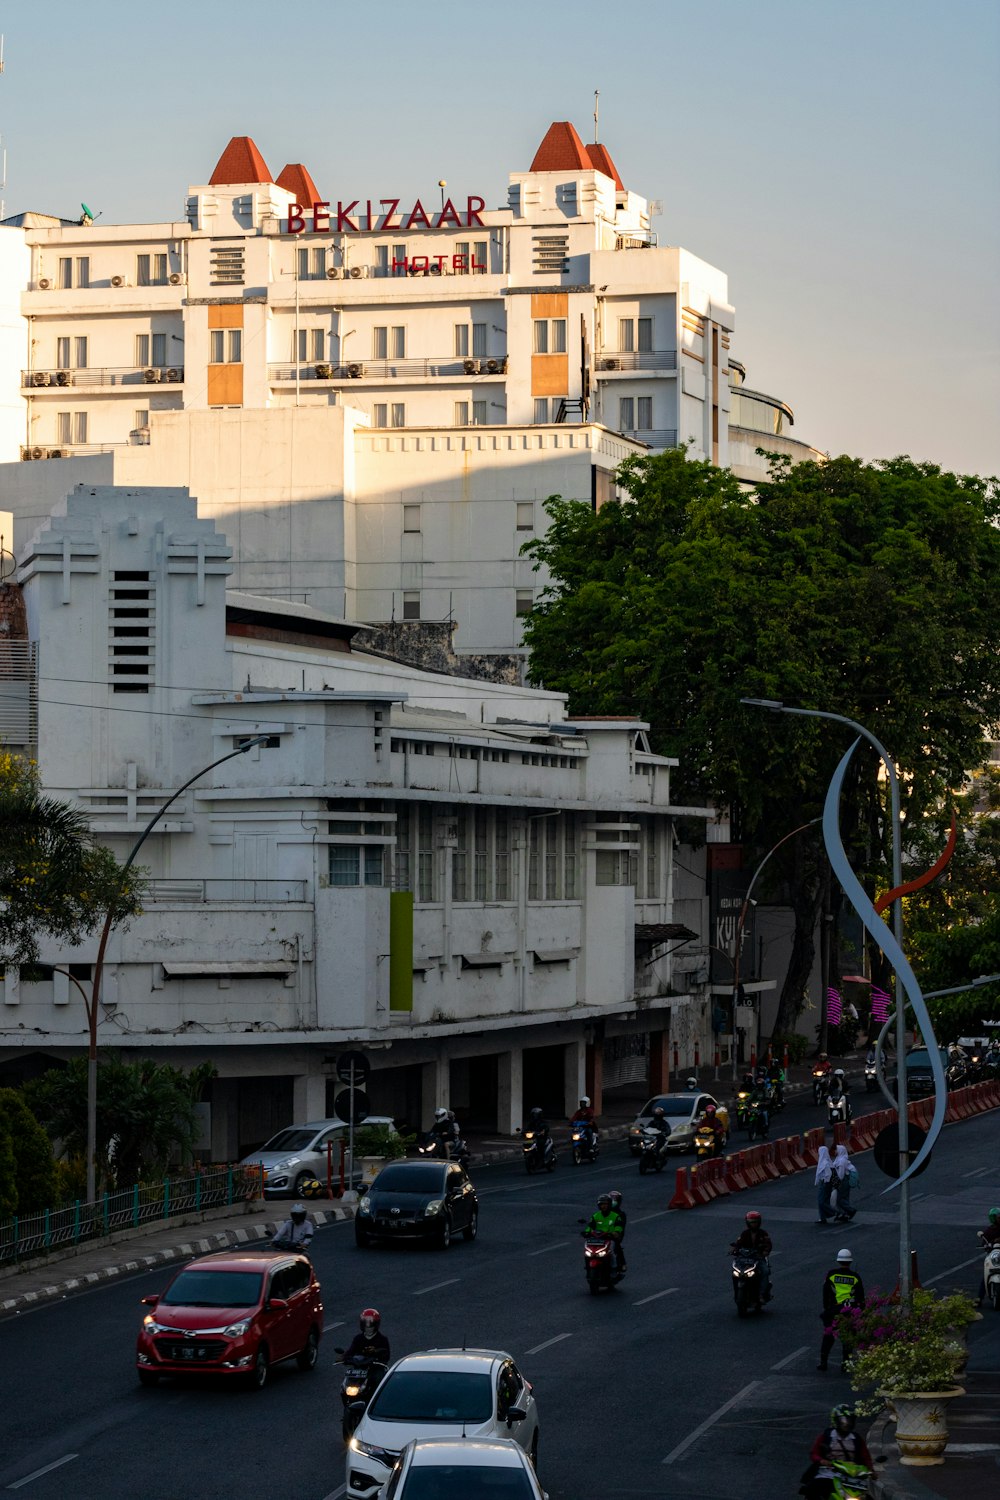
(546, 1248)
(973, 1447)
(682, 1448)
(789, 1358)
(643, 1300)
(548, 1344)
(661, 1213)
(327, 1326)
(67, 1458)
(452, 1281)
(972, 1260)
(978, 1172)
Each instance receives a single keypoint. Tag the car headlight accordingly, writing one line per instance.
(372, 1450)
(434, 1206)
(237, 1330)
(365, 1205)
(150, 1324)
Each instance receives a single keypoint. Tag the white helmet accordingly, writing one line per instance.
(440, 1113)
(838, 1072)
(844, 1257)
(585, 1102)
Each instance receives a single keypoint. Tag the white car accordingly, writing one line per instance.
(440, 1393)
(443, 1469)
(683, 1112)
(298, 1154)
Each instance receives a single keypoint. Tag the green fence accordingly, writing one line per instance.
(145, 1203)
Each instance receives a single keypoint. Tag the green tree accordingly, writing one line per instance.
(145, 1113)
(53, 878)
(8, 1173)
(34, 1167)
(864, 589)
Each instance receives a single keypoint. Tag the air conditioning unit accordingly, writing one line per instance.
(118, 281)
(470, 367)
(174, 376)
(436, 269)
(333, 273)
(56, 453)
(324, 372)
(490, 366)
(152, 376)
(41, 377)
(355, 371)
(611, 364)
(64, 377)
(356, 272)
(25, 455)
(44, 283)
(38, 452)
(177, 278)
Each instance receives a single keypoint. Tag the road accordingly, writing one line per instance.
(656, 1390)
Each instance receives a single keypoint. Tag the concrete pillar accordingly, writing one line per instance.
(435, 1089)
(659, 1062)
(510, 1091)
(309, 1097)
(595, 1075)
(574, 1075)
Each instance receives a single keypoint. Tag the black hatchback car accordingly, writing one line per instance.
(418, 1200)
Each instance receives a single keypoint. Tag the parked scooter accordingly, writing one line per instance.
(599, 1262)
(653, 1151)
(585, 1141)
(539, 1152)
(357, 1389)
(991, 1270)
(748, 1282)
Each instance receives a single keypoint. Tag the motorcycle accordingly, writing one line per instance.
(991, 1271)
(748, 1282)
(599, 1262)
(821, 1085)
(357, 1389)
(838, 1110)
(705, 1143)
(741, 1108)
(653, 1151)
(584, 1141)
(539, 1152)
(455, 1150)
(850, 1481)
(757, 1123)
(871, 1077)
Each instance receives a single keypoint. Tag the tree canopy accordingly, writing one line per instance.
(53, 878)
(865, 589)
(28, 1185)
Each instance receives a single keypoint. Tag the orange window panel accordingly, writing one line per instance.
(549, 374)
(227, 315)
(549, 304)
(225, 385)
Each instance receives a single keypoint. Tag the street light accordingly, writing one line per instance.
(109, 922)
(905, 1277)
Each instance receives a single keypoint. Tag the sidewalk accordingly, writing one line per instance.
(971, 1470)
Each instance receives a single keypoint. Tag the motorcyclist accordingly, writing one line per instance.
(615, 1198)
(710, 1121)
(839, 1084)
(776, 1078)
(756, 1240)
(584, 1115)
(296, 1232)
(605, 1219)
(837, 1443)
(539, 1126)
(989, 1236)
(823, 1064)
(760, 1100)
(658, 1121)
(444, 1130)
(369, 1343)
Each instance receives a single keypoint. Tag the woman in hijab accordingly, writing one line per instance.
(843, 1172)
(825, 1181)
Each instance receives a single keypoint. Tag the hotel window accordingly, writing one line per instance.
(480, 254)
(380, 414)
(479, 413)
(644, 413)
(225, 346)
(474, 344)
(150, 350)
(645, 336)
(310, 263)
(381, 260)
(64, 346)
(523, 601)
(388, 343)
(83, 270)
(356, 864)
(626, 335)
(397, 414)
(626, 414)
(399, 259)
(65, 272)
(462, 340)
(541, 409)
(140, 419)
(151, 270)
(411, 604)
(550, 336)
(461, 413)
(525, 515)
(80, 357)
(411, 517)
(308, 343)
(462, 250)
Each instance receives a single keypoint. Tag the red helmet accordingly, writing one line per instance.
(754, 1219)
(371, 1319)
(710, 1109)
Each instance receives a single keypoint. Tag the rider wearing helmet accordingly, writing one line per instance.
(444, 1129)
(838, 1443)
(989, 1237)
(838, 1083)
(710, 1121)
(606, 1219)
(584, 1115)
(538, 1124)
(615, 1199)
(296, 1232)
(369, 1343)
(757, 1241)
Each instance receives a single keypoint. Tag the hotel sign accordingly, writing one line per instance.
(346, 218)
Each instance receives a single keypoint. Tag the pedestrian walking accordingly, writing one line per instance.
(824, 1187)
(842, 1289)
(845, 1178)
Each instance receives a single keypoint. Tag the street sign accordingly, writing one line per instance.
(886, 1149)
(352, 1105)
(360, 1064)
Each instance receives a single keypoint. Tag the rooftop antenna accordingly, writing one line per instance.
(597, 99)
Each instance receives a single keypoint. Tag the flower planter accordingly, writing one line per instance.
(921, 1424)
(371, 1166)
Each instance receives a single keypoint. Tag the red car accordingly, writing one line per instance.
(233, 1313)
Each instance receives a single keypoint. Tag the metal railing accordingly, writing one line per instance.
(102, 375)
(634, 359)
(656, 437)
(267, 892)
(23, 1237)
(391, 369)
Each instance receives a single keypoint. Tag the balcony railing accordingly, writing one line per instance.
(632, 359)
(392, 369)
(103, 375)
(200, 892)
(67, 450)
(656, 437)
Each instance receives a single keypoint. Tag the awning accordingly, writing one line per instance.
(662, 932)
(555, 955)
(485, 960)
(277, 969)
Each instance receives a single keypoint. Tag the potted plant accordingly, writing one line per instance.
(909, 1355)
(374, 1145)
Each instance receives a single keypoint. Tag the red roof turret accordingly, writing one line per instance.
(295, 179)
(600, 160)
(561, 151)
(240, 162)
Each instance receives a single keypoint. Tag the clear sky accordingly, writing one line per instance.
(839, 159)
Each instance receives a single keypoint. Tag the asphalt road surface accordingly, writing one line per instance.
(654, 1390)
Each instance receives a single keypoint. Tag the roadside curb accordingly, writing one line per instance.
(893, 1482)
(224, 1240)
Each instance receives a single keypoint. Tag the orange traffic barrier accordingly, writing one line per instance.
(769, 1160)
(700, 1188)
(735, 1176)
(683, 1197)
(785, 1163)
(796, 1154)
(811, 1142)
(719, 1182)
